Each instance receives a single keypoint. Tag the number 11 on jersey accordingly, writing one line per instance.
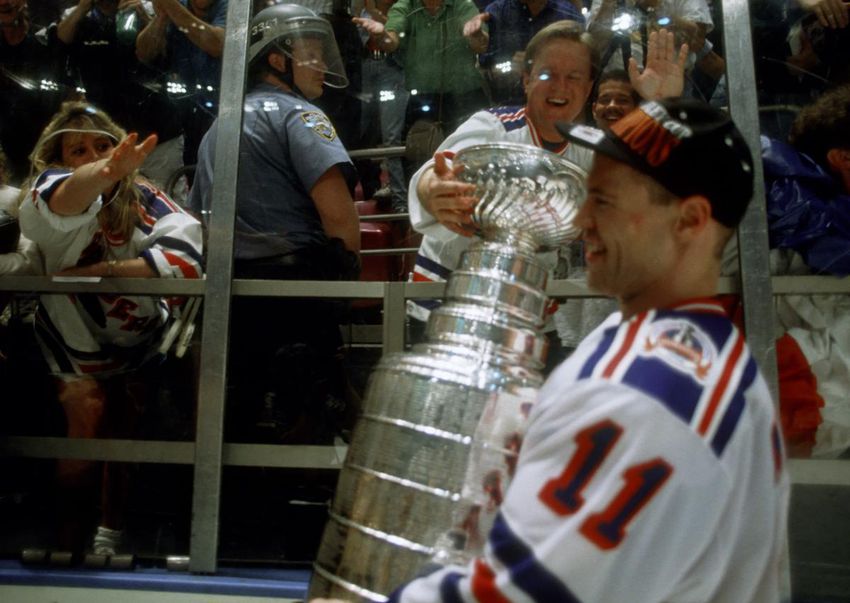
(563, 494)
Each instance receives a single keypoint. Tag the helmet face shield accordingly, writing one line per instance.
(305, 38)
(312, 45)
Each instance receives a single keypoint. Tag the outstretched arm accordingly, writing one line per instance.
(663, 73)
(88, 181)
(476, 34)
(388, 41)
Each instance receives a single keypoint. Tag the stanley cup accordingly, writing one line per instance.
(436, 445)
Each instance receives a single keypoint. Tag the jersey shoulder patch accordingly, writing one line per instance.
(512, 118)
(319, 123)
(681, 345)
(696, 365)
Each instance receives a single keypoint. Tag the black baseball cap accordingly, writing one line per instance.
(686, 145)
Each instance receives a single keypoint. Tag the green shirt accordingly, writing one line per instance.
(432, 64)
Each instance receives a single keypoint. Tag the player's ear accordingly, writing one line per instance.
(694, 215)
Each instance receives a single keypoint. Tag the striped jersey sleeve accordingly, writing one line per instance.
(173, 240)
(38, 222)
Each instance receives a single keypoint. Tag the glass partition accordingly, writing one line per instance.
(233, 450)
(801, 87)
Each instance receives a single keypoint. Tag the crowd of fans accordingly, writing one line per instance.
(154, 65)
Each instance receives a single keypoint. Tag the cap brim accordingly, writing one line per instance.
(600, 141)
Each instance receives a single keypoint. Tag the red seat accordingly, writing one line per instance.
(368, 208)
(378, 235)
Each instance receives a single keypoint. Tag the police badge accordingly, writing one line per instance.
(319, 123)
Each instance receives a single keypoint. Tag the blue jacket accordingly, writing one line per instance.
(807, 209)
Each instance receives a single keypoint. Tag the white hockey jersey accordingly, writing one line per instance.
(652, 471)
(100, 333)
(440, 251)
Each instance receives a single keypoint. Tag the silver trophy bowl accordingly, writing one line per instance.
(438, 437)
(527, 196)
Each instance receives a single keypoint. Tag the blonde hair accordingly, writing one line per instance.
(561, 30)
(120, 213)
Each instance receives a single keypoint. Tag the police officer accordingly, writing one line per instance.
(295, 218)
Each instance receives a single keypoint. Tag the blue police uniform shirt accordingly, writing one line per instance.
(287, 145)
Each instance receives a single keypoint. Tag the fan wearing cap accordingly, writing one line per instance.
(91, 215)
(295, 216)
(652, 468)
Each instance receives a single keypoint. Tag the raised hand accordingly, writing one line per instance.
(127, 156)
(474, 26)
(830, 13)
(663, 75)
(446, 198)
(372, 27)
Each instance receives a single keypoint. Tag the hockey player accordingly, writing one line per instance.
(559, 72)
(652, 469)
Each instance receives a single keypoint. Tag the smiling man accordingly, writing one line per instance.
(558, 77)
(614, 98)
(652, 469)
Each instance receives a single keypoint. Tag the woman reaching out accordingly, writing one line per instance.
(92, 215)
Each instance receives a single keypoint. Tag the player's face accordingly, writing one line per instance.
(308, 66)
(614, 101)
(629, 245)
(79, 149)
(557, 86)
(9, 10)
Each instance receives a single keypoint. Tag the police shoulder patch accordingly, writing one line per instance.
(319, 123)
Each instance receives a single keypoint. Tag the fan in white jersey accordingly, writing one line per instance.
(92, 216)
(559, 71)
(652, 469)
